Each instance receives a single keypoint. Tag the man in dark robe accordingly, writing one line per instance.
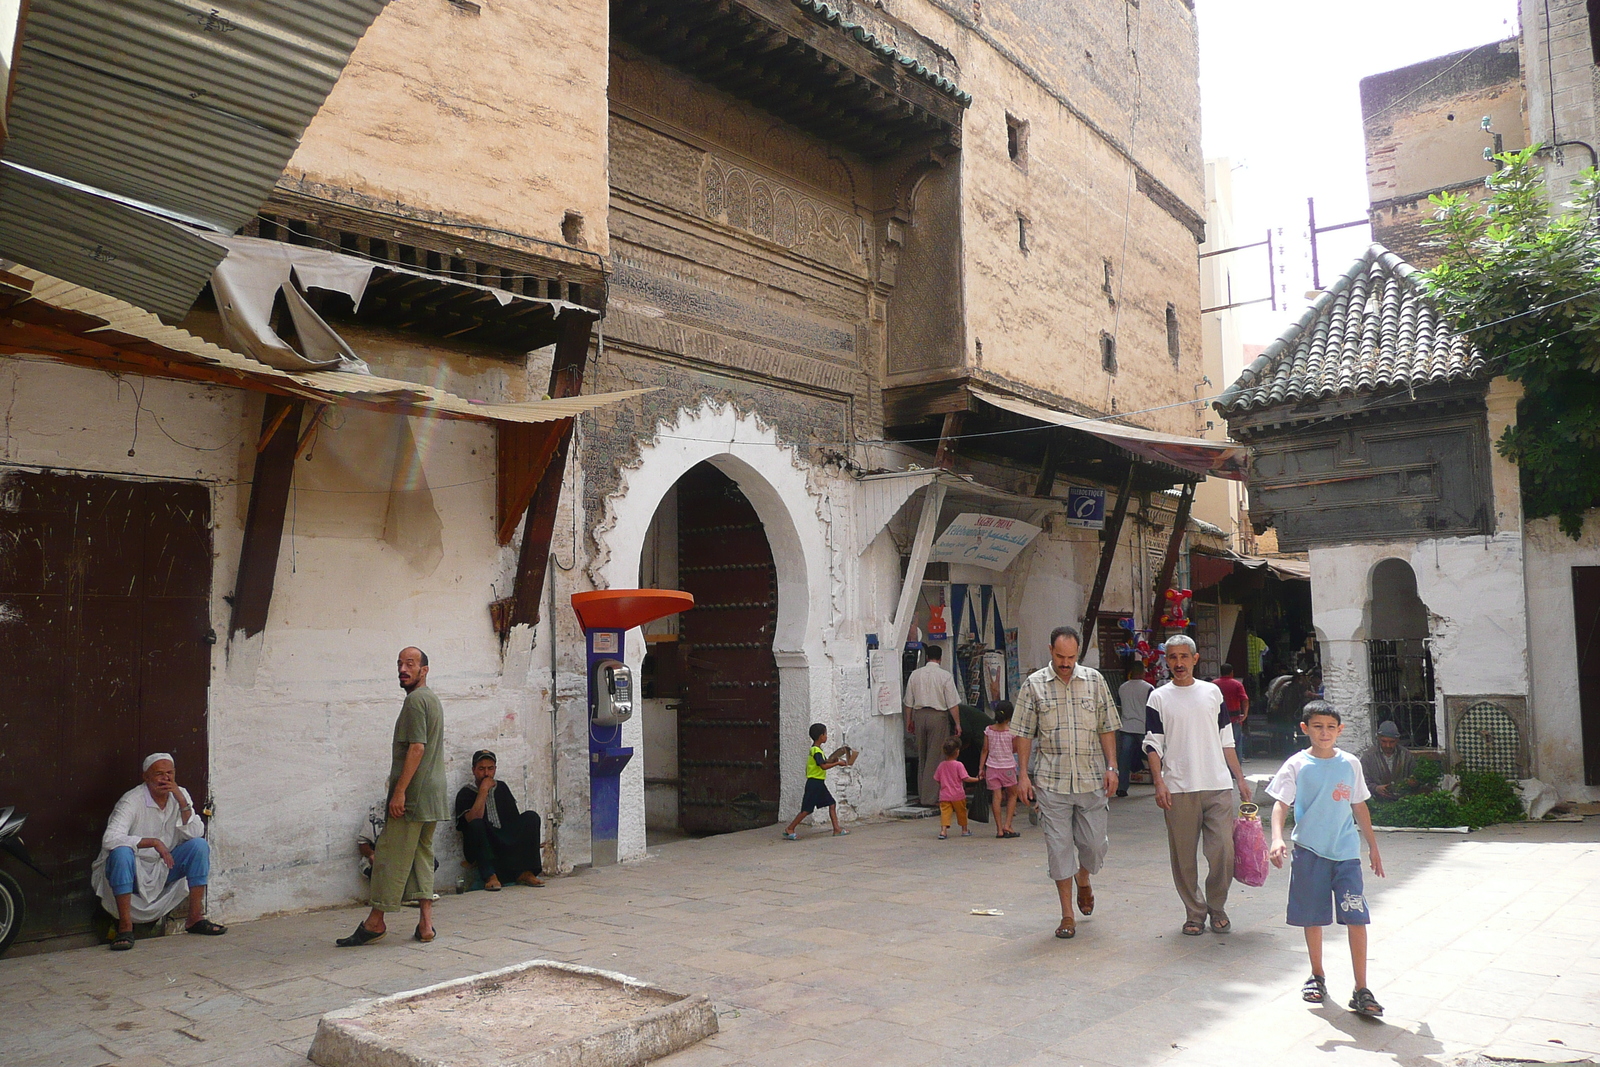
(498, 839)
(1388, 765)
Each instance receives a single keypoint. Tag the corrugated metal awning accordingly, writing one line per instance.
(187, 111)
(1193, 454)
(48, 317)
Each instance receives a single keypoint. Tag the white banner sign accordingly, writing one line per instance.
(983, 541)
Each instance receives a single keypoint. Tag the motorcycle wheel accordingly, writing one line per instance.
(12, 910)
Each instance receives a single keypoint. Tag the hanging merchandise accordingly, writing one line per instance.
(937, 628)
(1013, 661)
(994, 677)
(1176, 614)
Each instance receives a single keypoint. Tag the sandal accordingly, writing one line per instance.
(1315, 990)
(1086, 899)
(1362, 1002)
(841, 833)
(791, 837)
(1067, 930)
(1012, 833)
(1193, 928)
(1221, 926)
(943, 836)
(207, 927)
(123, 941)
(530, 879)
(362, 936)
(418, 935)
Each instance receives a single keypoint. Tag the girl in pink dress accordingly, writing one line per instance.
(998, 768)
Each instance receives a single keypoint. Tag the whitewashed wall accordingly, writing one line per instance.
(1552, 650)
(1473, 591)
(301, 716)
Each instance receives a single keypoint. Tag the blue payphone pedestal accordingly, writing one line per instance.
(606, 616)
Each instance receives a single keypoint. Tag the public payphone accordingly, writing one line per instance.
(606, 616)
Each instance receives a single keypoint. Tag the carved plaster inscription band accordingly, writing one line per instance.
(757, 205)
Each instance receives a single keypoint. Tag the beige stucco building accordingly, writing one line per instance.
(872, 267)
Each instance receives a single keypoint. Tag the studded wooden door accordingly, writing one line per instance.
(105, 653)
(1586, 613)
(728, 716)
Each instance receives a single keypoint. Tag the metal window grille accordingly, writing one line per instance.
(1401, 686)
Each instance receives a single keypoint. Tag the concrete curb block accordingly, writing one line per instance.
(343, 1039)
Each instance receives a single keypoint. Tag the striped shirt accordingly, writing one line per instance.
(1065, 720)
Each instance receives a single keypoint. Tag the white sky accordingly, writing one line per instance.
(1280, 97)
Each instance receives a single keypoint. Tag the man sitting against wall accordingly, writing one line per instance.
(154, 855)
(497, 838)
(1389, 766)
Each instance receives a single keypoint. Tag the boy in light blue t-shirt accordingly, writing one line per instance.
(1329, 795)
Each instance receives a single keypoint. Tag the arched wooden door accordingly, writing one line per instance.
(728, 715)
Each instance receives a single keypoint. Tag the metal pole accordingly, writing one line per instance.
(1272, 275)
(1311, 213)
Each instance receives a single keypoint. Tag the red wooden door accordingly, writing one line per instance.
(1586, 612)
(728, 716)
(105, 649)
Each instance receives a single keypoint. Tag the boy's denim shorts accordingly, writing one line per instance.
(1317, 884)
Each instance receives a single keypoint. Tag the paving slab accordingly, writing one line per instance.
(863, 950)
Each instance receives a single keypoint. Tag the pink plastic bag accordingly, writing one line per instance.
(1249, 847)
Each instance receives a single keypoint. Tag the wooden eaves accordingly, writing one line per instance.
(43, 316)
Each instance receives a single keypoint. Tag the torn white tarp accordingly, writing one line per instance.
(249, 281)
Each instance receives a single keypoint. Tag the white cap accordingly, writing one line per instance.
(155, 757)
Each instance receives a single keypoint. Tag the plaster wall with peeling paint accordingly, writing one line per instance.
(389, 541)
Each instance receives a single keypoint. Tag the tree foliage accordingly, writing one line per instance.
(1524, 285)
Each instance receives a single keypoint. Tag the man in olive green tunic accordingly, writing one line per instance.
(402, 864)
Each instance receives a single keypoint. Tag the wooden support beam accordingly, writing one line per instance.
(949, 437)
(533, 559)
(263, 527)
(1108, 554)
(1169, 563)
(1047, 469)
(921, 546)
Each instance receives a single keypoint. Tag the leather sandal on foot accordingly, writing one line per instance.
(1362, 1002)
(1193, 928)
(1221, 926)
(123, 941)
(362, 936)
(1315, 990)
(1086, 899)
(207, 927)
(417, 936)
(1067, 929)
(531, 879)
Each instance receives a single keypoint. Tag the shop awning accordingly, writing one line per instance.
(1194, 454)
(48, 317)
(1208, 568)
(123, 114)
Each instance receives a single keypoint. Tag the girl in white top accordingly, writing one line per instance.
(998, 768)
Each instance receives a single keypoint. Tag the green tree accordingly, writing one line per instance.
(1523, 285)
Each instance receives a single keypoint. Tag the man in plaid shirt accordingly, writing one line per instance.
(1067, 722)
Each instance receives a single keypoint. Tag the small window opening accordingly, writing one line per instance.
(1022, 231)
(1108, 353)
(1173, 349)
(1017, 140)
(1594, 28)
(572, 229)
(1108, 283)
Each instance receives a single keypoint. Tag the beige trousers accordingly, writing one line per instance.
(1196, 819)
(402, 864)
(932, 727)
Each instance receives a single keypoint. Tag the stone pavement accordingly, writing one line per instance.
(862, 950)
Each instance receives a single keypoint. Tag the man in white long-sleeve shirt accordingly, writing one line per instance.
(154, 852)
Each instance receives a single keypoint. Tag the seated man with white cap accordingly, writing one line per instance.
(153, 853)
(1388, 765)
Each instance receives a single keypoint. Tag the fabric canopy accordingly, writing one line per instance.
(1194, 454)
